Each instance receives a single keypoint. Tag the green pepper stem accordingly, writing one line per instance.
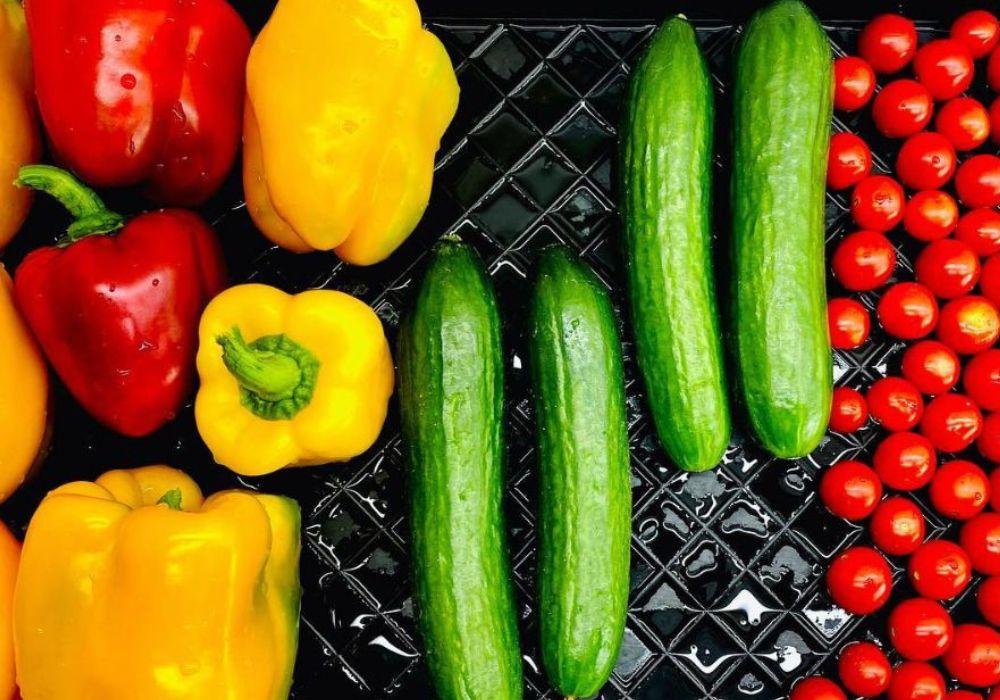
(172, 499)
(271, 376)
(92, 217)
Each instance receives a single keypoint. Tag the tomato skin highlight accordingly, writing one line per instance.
(897, 527)
(849, 162)
(859, 580)
(877, 203)
(980, 538)
(864, 669)
(964, 121)
(920, 629)
(849, 323)
(940, 570)
(978, 31)
(850, 490)
(930, 215)
(977, 181)
(931, 366)
(908, 311)
(945, 67)
(949, 268)
(849, 412)
(903, 108)
(969, 324)
(982, 380)
(960, 490)
(854, 83)
(905, 461)
(980, 230)
(817, 688)
(895, 403)
(926, 161)
(888, 43)
(974, 656)
(916, 680)
(864, 261)
(952, 422)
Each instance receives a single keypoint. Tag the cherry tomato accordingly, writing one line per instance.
(849, 323)
(940, 570)
(902, 108)
(989, 440)
(949, 268)
(916, 680)
(931, 366)
(850, 410)
(854, 83)
(930, 215)
(969, 325)
(963, 121)
(850, 161)
(995, 120)
(974, 656)
(908, 310)
(980, 538)
(888, 43)
(993, 71)
(897, 526)
(980, 230)
(978, 181)
(945, 67)
(995, 489)
(895, 403)
(982, 380)
(864, 260)
(989, 282)
(864, 669)
(978, 31)
(920, 629)
(850, 490)
(926, 161)
(877, 203)
(951, 422)
(817, 688)
(859, 580)
(960, 490)
(905, 461)
(962, 695)
(988, 600)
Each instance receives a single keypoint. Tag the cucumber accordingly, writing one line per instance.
(451, 400)
(666, 185)
(584, 524)
(782, 100)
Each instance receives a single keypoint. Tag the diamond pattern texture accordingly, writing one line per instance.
(727, 596)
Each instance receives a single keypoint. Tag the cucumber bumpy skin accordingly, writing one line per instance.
(451, 399)
(666, 183)
(783, 111)
(584, 479)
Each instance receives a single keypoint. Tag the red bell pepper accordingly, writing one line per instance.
(116, 311)
(142, 91)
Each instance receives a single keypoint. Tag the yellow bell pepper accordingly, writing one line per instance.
(347, 101)
(20, 143)
(10, 554)
(133, 586)
(290, 380)
(24, 383)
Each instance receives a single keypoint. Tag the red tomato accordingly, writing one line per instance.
(949, 268)
(895, 403)
(849, 323)
(940, 570)
(864, 260)
(920, 629)
(931, 366)
(930, 215)
(989, 282)
(962, 695)
(888, 43)
(993, 71)
(877, 203)
(960, 490)
(908, 310)
(864, 669)
(988, 600)
(969, 325)
(854, 83)
(963, 121)
(980, 230)
(850, 490)
(850, 410)
(850, 161)
(897, 526)
(980, 539)
(995, 120)
(982, 380)
(916, 680)
(978, 181)
(859, 580)
(989, 440)
(905, 461)
(816, 688)
(951, 422)
(974, 656)
(927, 161)
(995, 489)
(978, 31)
(902, 108)
(945, 67)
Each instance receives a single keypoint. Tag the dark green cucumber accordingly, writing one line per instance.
(783, 95)
(584, 522)
(451, 399)
(666, 207)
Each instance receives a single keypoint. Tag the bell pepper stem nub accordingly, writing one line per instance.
(270, 375)
(172, 499)
(92, 217)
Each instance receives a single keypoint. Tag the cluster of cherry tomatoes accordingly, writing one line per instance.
(949, 314)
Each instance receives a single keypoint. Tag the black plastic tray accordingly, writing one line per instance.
(727, 596)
